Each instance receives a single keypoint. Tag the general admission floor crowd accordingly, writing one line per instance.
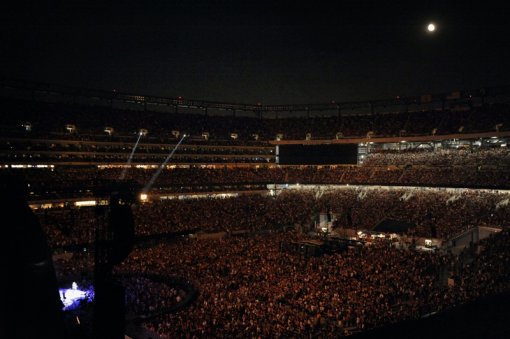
(249, 287)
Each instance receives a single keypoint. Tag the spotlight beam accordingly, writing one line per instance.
(124, 170)
(158, 172)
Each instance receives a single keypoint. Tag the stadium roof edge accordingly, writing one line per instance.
(205, 104)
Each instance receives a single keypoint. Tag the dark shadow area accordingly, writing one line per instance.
(485, 318)
(394, 226)
(31, 304)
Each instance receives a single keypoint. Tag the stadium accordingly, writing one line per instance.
(135, 212)
(409, 195)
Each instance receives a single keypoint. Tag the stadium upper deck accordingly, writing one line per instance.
(89, 135)
(48, 111)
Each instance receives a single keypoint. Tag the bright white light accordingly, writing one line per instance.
(143, 196)
(431, 27)
(85, 203)
(130, 159)
(71, 297)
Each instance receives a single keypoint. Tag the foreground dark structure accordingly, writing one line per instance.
(31, 304)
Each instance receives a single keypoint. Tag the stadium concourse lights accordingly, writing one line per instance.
(70, 128)
(109, 130)
(27, 126)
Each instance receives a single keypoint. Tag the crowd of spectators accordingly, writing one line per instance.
(449, 212)
(475, 157)
(482, 168)
(249, 287)
(145, 295)
(49, 120)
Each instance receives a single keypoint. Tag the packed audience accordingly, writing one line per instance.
(482, 168)
(495, 157)
(249, 287)
(145, 295)
(436, 213)
(48, 120)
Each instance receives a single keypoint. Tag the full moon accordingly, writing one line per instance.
(431, 27)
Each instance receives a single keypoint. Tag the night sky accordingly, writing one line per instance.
(250, 52)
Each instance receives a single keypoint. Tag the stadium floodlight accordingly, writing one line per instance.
(108, 130)
(151, 182)
(70, 128)
(143, 132)
(130, 159)
(27, 126)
